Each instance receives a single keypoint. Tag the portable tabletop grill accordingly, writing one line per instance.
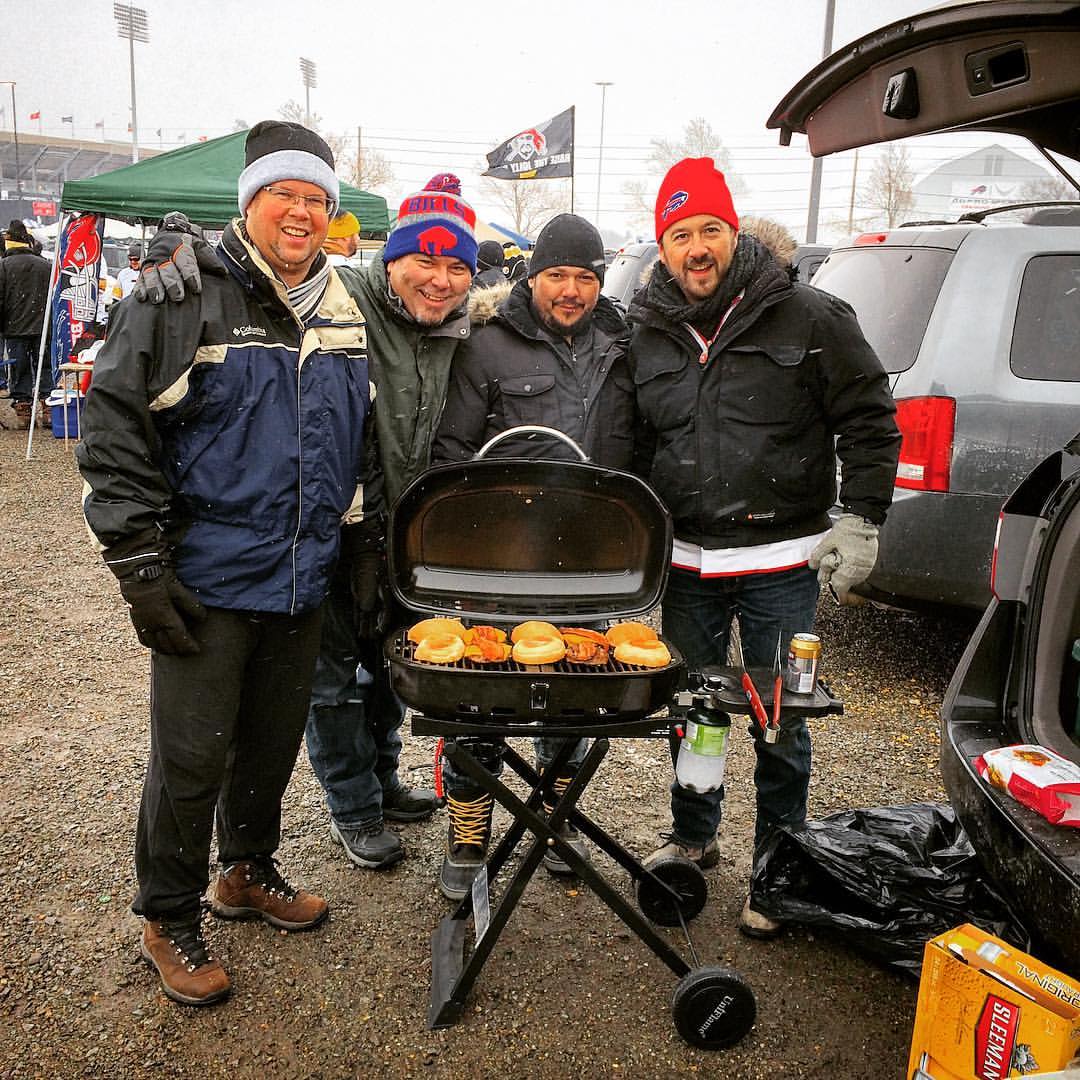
(500, 541)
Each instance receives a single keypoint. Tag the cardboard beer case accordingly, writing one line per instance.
(987, 1011)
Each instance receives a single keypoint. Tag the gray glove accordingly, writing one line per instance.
(845, 555)
(173, 260)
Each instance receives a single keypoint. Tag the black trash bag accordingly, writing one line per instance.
(887, 878)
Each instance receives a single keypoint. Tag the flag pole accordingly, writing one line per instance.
(46, 332)
(573, 153)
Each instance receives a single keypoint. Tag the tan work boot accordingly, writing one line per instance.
(255, 889)
(189, 974)
(753, 924)
(706, 856)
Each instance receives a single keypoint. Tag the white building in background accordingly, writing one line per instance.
(991, 176)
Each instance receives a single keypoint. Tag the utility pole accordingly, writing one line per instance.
(131, 24)
(851, 201)
(814, 208)
(308, 74)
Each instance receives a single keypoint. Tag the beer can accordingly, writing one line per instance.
(804, 653)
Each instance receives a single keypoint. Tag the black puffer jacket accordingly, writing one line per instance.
(510, 373)
(24, 288)
(745, 442)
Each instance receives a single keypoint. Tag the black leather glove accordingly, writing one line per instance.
(367, 582)
(159, 606)
(174, 259)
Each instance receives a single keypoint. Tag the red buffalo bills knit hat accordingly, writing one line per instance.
(435, 221)
(693, 186)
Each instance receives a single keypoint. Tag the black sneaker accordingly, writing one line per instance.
(371, 846)
(406, 803)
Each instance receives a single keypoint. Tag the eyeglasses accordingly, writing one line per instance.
(315, 203)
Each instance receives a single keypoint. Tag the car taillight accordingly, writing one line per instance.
(927, 425)
(871, 238)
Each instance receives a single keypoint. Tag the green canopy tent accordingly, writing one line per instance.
(198, 180)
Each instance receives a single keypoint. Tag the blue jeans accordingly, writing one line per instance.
(353, 726)
(697, 615)
(24, 352)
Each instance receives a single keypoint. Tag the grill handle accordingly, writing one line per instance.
(530, 429)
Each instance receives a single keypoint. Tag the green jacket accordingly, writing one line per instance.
(410, 366)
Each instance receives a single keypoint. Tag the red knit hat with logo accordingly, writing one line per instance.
(693, 186)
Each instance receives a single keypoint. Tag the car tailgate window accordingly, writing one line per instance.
(893, 291)
(1046, 336)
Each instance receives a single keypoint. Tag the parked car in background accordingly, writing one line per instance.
(632, 264)
(980, 326)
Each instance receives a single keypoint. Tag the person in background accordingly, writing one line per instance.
(753, 386)
(343, 239)
(227, 459)
(127, 277)
(489, 265)
(24, 293)
(550, 351)
(515, 265)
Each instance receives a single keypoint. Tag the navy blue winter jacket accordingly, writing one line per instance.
(235, 431)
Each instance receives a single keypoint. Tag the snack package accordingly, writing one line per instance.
(1037, 777)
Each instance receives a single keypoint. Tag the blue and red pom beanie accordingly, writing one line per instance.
(435, 221)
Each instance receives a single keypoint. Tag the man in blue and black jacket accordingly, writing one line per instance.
(227, 456)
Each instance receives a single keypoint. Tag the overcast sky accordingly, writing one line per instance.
(434, 86)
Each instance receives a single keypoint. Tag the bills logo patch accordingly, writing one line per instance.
(677, 199)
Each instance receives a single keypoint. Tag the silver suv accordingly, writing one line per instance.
(978, 325)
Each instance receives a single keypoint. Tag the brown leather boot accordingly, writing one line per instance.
(246, 890)
(189, 974)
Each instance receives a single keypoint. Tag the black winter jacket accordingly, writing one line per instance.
(745, 442)
(24, 288)
(510, 373)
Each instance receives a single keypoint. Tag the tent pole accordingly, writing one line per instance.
(45, 332)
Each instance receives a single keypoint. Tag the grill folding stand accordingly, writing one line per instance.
(502, 541)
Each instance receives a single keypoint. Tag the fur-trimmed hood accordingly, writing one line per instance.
(484, 303)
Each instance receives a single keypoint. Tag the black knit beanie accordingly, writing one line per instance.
(279, 150)
(568, 240)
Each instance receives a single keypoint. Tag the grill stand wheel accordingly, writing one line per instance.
(454, 968)
(713, 1008)
(671, 890)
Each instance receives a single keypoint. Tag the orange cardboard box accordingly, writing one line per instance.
(987, 1011)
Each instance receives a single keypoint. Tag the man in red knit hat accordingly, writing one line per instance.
(748, 380)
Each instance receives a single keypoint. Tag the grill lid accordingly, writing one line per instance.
(513, 538)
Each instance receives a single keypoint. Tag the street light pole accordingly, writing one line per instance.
(15, 134)
(308, 74)
(131, 24)
(600, 163)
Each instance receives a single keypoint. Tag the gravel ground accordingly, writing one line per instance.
(568, 991)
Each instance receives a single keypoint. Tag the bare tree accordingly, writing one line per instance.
(294, 112)
(888, 191)
(1050, 189)
(368, 171)
(698, 140)
(528, 203)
